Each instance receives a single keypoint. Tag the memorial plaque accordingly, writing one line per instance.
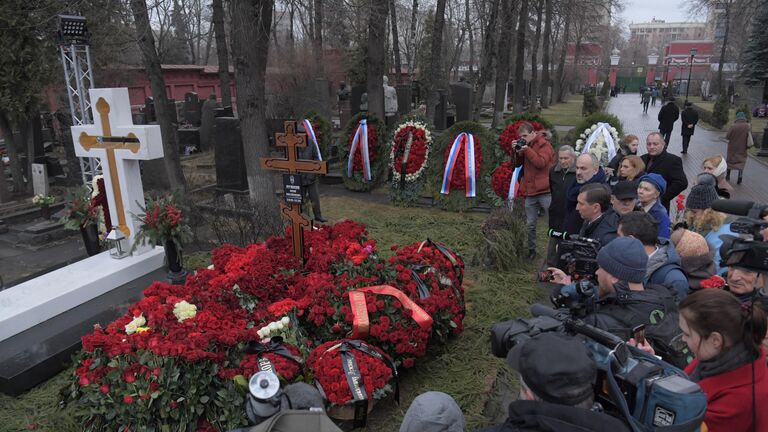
(292, 189)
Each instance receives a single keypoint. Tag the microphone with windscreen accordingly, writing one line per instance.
(739, 207)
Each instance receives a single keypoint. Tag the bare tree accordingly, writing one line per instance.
(318, 35)
(395, 41)
(502, 65)
(559, 88)
(377, 25)
(412, 36)
(222, 52)
(534, 57)
(251, 24)
(146, 42)
(488, 55)
(545, 60)
(519, 89)
(468, 27)
(435, 60)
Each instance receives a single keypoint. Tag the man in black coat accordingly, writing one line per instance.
(689, 118)
(667, 165)
(560, 177)
(668, 115)
(600, 221)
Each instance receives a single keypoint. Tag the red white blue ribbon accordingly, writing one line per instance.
(361, 139)
(311, 133)
(467, 141)
(514, 183)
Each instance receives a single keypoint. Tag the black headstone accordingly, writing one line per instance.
(172, 111)
(192, 109)
(355, 99)
(441, 111)
(230, 157)
(403, 98)
(462, 96)
(189, 140)
(149, 110)
(225, 112)
(207, 119)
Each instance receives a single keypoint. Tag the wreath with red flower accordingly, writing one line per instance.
(509, 135)
(376, 155)
(501, 178)
(322, 129)
(326, 363)
(418, 152)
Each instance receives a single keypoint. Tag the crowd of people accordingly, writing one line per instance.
(653, 268)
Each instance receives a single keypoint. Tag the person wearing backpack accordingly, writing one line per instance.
(663, 261)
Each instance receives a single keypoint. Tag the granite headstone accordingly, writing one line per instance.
(207, 122)
(355, 98)
(229, 156)
(192, 109)
(462, 96)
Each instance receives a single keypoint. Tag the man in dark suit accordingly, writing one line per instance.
(668, 115)
(667, 165)
(689, 117)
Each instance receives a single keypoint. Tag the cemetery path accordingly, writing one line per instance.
(704, 143)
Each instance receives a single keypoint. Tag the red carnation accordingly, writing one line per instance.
(128, 399)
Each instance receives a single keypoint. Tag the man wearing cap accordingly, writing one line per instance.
(557, 378)
(624, 300)
(594, 206)
(669, 166)
(624, 197)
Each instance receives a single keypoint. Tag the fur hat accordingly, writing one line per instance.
(689, 243)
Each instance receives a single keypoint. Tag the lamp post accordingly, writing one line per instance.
(690, 69)
(666, 70)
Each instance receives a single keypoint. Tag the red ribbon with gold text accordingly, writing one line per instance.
(361, 324)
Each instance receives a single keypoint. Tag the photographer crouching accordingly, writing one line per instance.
(557, 377)
(621, 300)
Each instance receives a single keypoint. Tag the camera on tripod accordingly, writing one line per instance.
(648, 393)
(577, 256)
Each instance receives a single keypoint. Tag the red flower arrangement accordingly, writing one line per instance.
(458, 180)
(285, 359)
(418, 154)
(326, 363)
(714, 281)
(509, 136)
(357, 162)
(501, 178)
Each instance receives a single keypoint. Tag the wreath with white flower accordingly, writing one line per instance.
(600, 139)
(416, 154)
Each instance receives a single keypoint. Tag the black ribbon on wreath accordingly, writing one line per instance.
(421, 287)
(456, 263)
(275, 346)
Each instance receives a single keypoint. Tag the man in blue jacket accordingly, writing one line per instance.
(663, 261)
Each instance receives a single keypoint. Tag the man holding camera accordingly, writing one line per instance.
(536, 156)
(594, 206)
(557, 378)
(624, 301)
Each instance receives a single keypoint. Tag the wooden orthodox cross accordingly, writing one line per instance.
(293, 165)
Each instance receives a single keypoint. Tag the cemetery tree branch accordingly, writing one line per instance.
(374, 68)
(146, 42)
(251, 24)
(221, 52)
(433, 68)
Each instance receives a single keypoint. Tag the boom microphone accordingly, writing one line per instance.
(735, 207)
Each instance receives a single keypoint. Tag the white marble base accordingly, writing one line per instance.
(35, 301)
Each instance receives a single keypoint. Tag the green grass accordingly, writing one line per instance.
(465, 369)
(758, 124)
(567, 113)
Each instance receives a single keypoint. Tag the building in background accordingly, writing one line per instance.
(658, 33)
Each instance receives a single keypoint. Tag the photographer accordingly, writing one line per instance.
(624, 300)
(536, 158)
(557, 377)
(663, 261)
(594, 206)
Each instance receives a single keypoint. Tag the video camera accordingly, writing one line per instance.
(579, 297)
(577, 256)
(736, 251)
(651, 395)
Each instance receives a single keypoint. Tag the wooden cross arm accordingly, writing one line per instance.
(293, 213)
(296, 166)
(130, 142)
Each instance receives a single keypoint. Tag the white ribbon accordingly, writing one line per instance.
(604, 129)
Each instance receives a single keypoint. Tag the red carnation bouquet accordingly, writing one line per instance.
(373, 367)
(357, 162)
(501, 178)
(714, 281)
(458, 179)
(508, 138)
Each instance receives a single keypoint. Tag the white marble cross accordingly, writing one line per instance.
(120, 145)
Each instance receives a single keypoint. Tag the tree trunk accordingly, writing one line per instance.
(721, 63)
(502, 65)
(395, 42)
(374, 67)
(146, 42)
(434, 68)
(576, 57)
(5, 194)
(26, 126)
(222, 52)
(318, 39)
(487, 56)
(545, 59)
(534, 58)
(251, 23)
(17, 173)
(412, 42)
(559, 89)
(522, 26)
(468, 25)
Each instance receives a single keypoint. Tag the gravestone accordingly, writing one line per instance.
(207, 122)
(40, 179)
(173, 111)
(149, 110)
(441, 111)
(189, 140)
(224, 112)
(192, 109)
(355, 98)
(43, 319)
(230, 157)
(403, 98)
(322, 98)
(463, 97)
(345, 112)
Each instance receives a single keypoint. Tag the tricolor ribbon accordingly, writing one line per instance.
(311, 133)
(467, 141)
(361, 135)
(361, 324)
(513, 183)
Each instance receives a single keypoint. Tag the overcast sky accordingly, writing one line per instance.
(644, 10)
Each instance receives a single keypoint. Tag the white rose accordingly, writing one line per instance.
(286, 321)
(280, 326)
(184, 310)
(273, 327)
(210, 267)
(260, 332)
(137, 322)
(579, 142)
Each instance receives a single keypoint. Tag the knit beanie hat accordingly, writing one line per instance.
(689, 243)
(656, 180)
(701, 196)
(625, 259)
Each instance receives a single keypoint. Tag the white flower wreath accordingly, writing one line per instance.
(410, 178)
(598, 143)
